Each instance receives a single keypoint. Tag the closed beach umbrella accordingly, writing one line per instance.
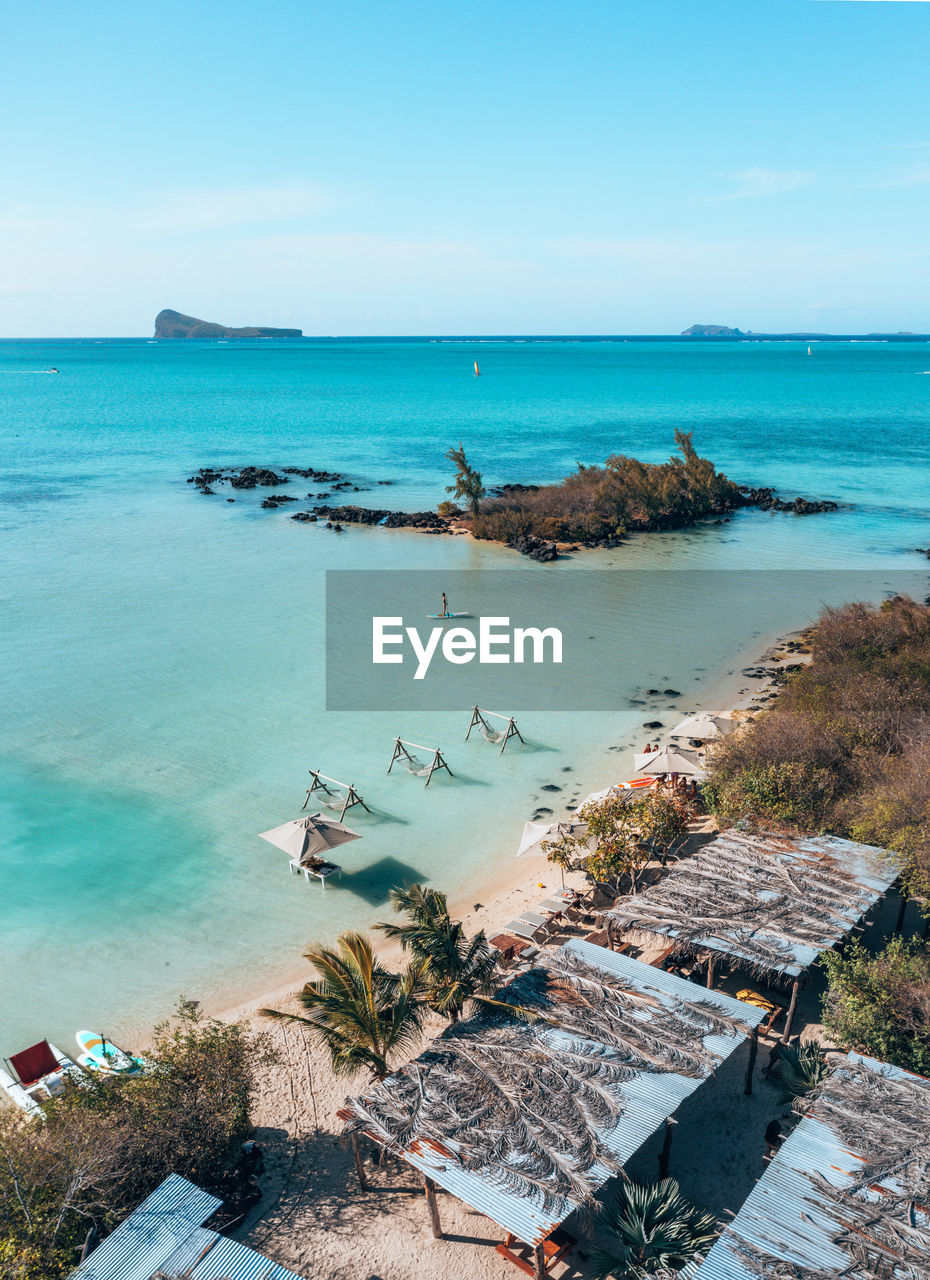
(304, 837)
(534, 833)
(706, 728)
(670, 760)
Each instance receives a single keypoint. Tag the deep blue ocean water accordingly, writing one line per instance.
(161, 652)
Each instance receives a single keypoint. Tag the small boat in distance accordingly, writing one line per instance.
(477, 370)
(101, 1054)
(36, 1075)
(809, 352)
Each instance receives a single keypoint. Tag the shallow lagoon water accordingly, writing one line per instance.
(161, 652)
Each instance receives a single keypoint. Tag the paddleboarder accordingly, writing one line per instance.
(445, 606)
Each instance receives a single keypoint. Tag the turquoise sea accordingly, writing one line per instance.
(161, 652)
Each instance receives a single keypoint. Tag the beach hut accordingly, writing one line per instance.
(165, 1236)
(526, 1119)
(846, 1194)
(767, 903)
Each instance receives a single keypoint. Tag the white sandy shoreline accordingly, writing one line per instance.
(491, 900)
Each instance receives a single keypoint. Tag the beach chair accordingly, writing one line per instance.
(524, 929)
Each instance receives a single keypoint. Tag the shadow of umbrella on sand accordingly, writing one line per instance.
(305, 837)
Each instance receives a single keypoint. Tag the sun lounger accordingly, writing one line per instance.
(552, 906)
(534, 917)
(524, 930)
(322, 873)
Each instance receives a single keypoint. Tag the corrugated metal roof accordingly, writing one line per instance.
(872, 869)
(650, 1098)
(166, 1233)
(787, 1217)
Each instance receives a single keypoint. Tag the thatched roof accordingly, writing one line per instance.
(847, 1194)
(770, 902)
(525, 1120)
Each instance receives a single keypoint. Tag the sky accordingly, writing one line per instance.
(501, 166)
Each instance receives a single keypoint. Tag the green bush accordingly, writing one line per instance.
(104, 1145)
(880, 1005)
(597, 503)
(846, 746)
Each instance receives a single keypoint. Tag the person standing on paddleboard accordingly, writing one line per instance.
(445, 606)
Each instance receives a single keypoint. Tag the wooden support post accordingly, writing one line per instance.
(429, 1187)
(899, 923)
(610, 934)
(539, 1263)
(710, 971)
(791, 1008)
(666, 1146)
(750, 1066)
(359, 1166)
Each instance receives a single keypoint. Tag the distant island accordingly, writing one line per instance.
(711, 331)
(172, 324)
(724, 331)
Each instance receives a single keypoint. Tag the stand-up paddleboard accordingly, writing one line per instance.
(101, 1054)
(444, 617)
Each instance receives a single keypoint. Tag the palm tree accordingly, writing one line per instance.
(801, 1069)
(454, 967)
(364, 1014)
(656, 1231)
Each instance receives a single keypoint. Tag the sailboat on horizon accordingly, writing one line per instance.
(477, 370)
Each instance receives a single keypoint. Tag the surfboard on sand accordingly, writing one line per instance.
(100, 1054)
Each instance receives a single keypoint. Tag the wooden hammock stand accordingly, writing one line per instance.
(345, 797)
(490, 734)
(413, 764)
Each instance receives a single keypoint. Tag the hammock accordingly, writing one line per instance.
(336, 799)
(489, 734)
(414, 765)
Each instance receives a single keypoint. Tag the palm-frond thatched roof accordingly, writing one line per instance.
(770, 902)
(525, 1116)
(848, 1194)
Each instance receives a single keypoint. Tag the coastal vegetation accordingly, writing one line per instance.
(599, 504)
(880, 1004)
(622, 835)
(468, 485)
(102, 1147)
(845, 749)
(655, 1231)
(365, 1015)
(453, 967)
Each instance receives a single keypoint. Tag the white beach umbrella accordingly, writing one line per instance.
(304, 837)
(707, 728)
(534, 833)
(670, 760)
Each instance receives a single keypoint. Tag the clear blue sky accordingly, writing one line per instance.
(561, 166)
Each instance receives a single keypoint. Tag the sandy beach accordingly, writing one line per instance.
(313, 1216)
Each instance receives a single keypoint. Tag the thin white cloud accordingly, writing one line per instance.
(758, 182)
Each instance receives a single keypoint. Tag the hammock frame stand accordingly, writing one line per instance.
(488, 732)
(413, 764)
(346, 793)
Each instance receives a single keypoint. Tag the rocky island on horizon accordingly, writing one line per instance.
(174, 324)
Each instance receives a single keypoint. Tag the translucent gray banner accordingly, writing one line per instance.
(559, 639)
